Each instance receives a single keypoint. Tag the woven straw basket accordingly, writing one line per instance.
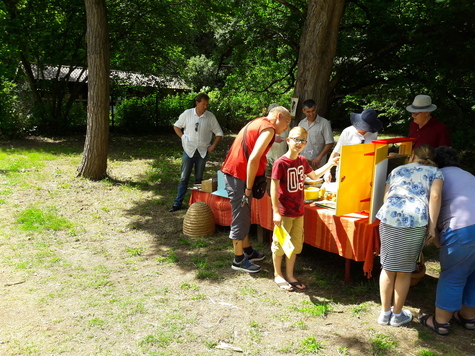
(199, 220)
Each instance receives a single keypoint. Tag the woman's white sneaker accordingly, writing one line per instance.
(403, 318)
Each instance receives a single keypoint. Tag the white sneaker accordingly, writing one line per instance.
(384, 319)
(404, 318)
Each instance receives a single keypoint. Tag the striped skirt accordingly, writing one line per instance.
(401, 247)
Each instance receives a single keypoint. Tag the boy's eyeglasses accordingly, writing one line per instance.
(298, 140)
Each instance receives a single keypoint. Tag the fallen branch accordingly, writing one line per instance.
(13, 283)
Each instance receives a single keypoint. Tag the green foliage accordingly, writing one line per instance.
(137, 115)
(384, 64)
(13, 123)
(244, 54)
(200, 72)
(151, 113)
(171, 106)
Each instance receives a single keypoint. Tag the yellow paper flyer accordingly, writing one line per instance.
(283, 238)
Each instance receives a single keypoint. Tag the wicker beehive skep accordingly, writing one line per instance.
(199, 220)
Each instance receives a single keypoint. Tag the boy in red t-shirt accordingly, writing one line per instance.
(287, 194)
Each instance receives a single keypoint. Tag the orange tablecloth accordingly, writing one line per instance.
(350, 236)
(261, 209)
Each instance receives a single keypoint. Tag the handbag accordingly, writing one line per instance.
(260, 182)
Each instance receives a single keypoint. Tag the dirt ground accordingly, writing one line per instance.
(125, 280)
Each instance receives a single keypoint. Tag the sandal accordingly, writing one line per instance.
(436, 327)
(298, 285)
(284, 285)
(468, 324)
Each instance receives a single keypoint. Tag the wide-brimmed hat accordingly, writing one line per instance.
(366, 121)
(421, 103)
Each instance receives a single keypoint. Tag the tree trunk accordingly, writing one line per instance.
(94, 160)
(318, 44)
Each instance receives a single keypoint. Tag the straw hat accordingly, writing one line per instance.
(199, 220)
(421, 103)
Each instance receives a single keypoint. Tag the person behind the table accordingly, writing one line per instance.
(287, 194)
(455, 298)
(320, 135)
(410, 210)
(424, 127)
(364, 129)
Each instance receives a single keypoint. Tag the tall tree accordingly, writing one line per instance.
(318, 44)
(94, 160)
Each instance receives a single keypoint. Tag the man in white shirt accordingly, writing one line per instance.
(320, 135)
(195, 127)
(364, 129)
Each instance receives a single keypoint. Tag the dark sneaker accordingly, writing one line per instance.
(174, 208)
(246, 266)
(255, 256)
(404, 318)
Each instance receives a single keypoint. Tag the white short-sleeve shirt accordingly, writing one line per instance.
(319, 134)
(198, 131)
(350, 136)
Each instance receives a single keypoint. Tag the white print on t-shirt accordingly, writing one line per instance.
(295, 179)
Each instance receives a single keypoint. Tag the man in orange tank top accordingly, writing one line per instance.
(245, 160)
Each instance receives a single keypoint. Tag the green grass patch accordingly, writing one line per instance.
(301, 325)
(135, 251)
(96, 322)
(206, 270)
(357, 310)
(22, 161)
(199, 243)
(35, 219)
(188, 286)
(382, 345)
(310, 346)
(248, 291)
(171, 258)
(342, 351)
(427, 353)
(313, 308)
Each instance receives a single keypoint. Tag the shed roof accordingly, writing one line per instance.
(80, 74)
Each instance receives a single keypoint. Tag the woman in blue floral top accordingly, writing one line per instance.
(410, 210)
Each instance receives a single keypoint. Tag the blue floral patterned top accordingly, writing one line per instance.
(407, 204)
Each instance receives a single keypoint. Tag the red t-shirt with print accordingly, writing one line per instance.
(291, 174)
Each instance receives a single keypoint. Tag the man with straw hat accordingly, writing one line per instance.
(424, 127)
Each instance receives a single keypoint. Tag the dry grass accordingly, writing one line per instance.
(122, 279)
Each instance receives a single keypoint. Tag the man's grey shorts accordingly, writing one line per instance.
(241, 223)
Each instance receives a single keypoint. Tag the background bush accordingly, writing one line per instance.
(15, 122)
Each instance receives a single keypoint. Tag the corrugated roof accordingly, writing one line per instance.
(80, 74)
